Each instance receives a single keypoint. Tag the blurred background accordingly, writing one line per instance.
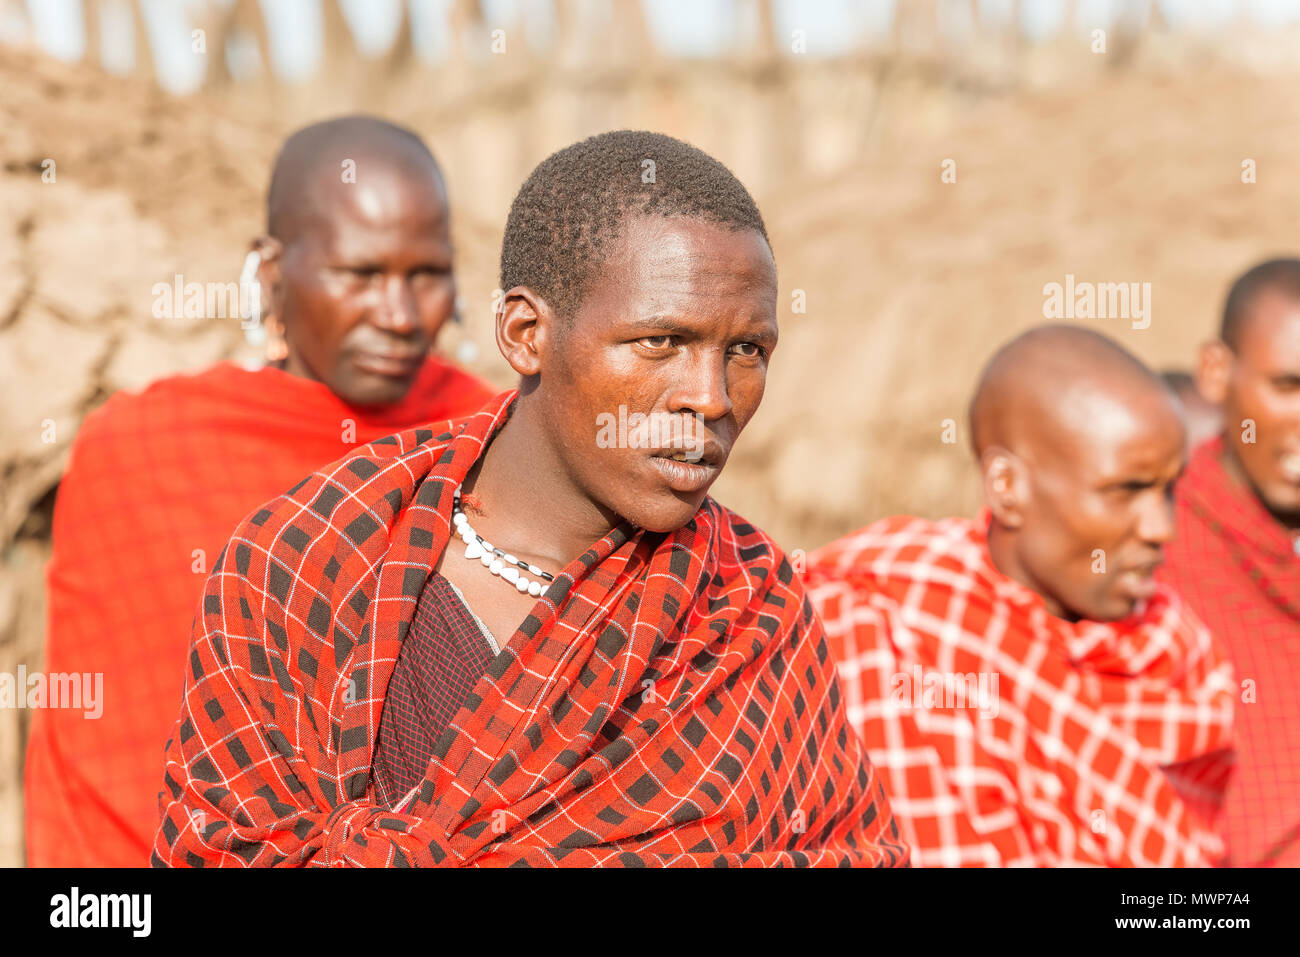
(925, 168)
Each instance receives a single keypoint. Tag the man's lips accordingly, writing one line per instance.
(1138, 581)
(685, 476)
(393, 364)
(691, 468)
(1290, 466)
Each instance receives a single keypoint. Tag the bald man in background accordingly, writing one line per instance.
(1030, 692)
(1235, 557)
(356, 282)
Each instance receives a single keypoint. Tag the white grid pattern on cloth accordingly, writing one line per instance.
(907, 591)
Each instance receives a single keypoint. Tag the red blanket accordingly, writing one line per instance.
(156, 482)
(1006, 736)
(1238, 570)
(670, 700)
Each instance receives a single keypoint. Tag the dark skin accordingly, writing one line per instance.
(680, 320)
(1259, 381)
(359, 273)
(1080, 447)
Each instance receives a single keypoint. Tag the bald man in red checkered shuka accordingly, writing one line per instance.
(1029, 693)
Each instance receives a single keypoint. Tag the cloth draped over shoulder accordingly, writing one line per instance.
(670, 700)
(1006, 736)
(156, 482)
(1237, 567)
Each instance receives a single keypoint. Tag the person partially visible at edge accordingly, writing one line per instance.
(1201, 417)
(356, 282)
(1235, 556)
(1031, 695)
(533, 639)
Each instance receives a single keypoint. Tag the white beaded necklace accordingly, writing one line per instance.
(497, 561)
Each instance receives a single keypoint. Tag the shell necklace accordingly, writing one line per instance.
(499, 562)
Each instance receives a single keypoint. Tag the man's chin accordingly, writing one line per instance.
(1282, 499)
(665, 512)
(1111, 608)
(373, 390)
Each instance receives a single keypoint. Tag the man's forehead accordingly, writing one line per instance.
(381, 212)
(673, 256)
(1271, 333)
(1104, 431)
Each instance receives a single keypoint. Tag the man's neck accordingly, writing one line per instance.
(529, 504)
(1236, 473)
(1002, 552)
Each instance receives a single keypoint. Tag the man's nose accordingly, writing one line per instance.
(1156, 519)
(396, 311)
(702, 388)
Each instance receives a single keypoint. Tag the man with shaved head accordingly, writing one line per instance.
(1235, 557)
(356, 280)
(532, 639)
(1029, 691)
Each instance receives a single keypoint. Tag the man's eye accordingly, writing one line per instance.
(748, 350)
(657, 343)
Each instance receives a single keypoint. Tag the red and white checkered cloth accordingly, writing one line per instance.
(1235, 566)
(1061, 763)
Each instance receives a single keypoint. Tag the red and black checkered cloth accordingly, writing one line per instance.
(1236, 567)
(1103, 743)
(670, 700)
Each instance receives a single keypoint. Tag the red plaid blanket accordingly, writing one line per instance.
(1235, 565)
(671, 699)
(1101, 743)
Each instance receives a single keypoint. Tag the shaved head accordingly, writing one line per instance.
(1052, 380)
(1079, 445)
(308, 180)
(357, 257)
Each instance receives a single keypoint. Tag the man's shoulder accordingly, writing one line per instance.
(1204, 476)
(133, 415)
(441, 378)
(738, 541)
(1213, 517)
(901, 547)
(377, 478)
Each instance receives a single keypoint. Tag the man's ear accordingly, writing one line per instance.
(269, 250)
(1006, 485)
(1214, 370)
(526, 326)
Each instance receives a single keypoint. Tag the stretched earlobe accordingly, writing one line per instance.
(1005, 485)
(1213, 371)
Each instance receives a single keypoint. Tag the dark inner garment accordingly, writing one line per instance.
(444, 655)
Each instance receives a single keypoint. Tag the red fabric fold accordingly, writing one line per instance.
(156, 482)
(670, 700)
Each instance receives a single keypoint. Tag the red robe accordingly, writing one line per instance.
(1101, 743)
(1238, 569)
(669, 701)
(157, 480)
